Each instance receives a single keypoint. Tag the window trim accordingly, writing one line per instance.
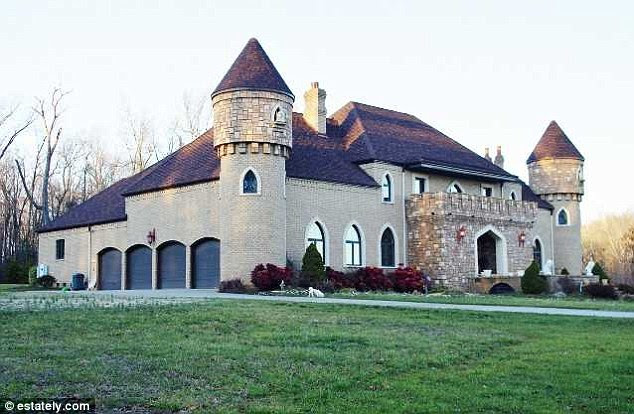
(455, 183)
(362, 246)
(390, 187)
(63, 249)
(396, 247)
(565, 210)
(324, 230)
(415, 178)
(241, 182)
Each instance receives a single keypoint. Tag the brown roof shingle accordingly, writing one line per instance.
(253, 69)
(554, 143)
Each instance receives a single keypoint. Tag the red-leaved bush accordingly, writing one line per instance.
(371, 278)
(270, 276)
(407, 279)
(339, 280)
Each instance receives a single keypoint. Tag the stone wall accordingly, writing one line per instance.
(434, 220)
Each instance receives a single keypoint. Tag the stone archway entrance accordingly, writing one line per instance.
(490, 252)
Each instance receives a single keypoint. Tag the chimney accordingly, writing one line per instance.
(486, 154)
(315, 108)
(499, 159)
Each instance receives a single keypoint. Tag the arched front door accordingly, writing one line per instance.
(109, 269)
(206, 264)
(171, 265)
(487, 253)
(139, 267)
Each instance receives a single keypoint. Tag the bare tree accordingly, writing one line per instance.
(139, 141)
(49, 114)
(607, 240)
(6, 123)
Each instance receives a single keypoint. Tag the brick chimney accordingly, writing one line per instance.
(486, 154)
(315, 108)
(499, 159)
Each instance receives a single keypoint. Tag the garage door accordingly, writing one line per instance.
(139, 267)
(171, 266)
(110, 269)
(206, 264)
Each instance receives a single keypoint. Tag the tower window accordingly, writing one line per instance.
(279, 116)
(353, 246)
(250, 183)
(562, 218)
(387, 188)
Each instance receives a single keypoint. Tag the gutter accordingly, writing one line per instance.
(464, 171)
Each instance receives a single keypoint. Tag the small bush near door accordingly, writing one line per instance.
(532, 282)
(232, 286)
(598, 290)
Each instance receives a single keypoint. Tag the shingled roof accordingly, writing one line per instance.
(529, 195)
(253, 69)
(554, 144)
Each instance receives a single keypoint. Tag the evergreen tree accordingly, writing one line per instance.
(598, 271)
(532, 281)
(313, 265)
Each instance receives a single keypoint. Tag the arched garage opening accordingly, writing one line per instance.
(205, 264)
(109, 271)
(171, 265)
(501, 289)
(139, 267)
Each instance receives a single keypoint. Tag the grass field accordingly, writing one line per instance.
(571, 302)
(240, 356)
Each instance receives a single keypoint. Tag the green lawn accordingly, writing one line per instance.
(8, 288)
(243, 356)
(573, 302)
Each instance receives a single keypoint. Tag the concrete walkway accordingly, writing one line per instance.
(201, 294)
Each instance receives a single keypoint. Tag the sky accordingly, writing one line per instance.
(485, 73)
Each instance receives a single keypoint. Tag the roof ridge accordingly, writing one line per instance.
(365, 134)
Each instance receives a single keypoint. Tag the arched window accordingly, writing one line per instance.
(250, 183)
(279, 116)
(387, 188)
(315, 235)
(388, 258)
(562, 217)
(537, 253)
(454, 188)
(353, 246)
(513, 196)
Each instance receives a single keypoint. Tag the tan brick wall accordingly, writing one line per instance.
(336, 206)
(544, 231)
(556, 176)
(567, 239)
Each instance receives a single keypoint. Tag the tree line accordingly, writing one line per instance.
(62, 170)
(610, 241)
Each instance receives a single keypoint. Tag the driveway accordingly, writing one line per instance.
(164, 296)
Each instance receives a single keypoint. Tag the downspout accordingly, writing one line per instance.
(90, 255)
(404, 219)
(552, 240)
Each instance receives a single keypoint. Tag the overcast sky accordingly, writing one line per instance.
(485, 73)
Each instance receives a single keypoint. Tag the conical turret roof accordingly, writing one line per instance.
(554, 144)
(253, 69)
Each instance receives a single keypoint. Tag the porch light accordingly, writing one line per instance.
(521, 239)
(461, 234)
(151, 237)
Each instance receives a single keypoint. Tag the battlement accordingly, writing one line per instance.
(471, 206)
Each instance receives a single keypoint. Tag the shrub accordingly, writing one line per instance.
(568, 286)
(532, 281)
(232, 286)
(339, 280)
(270, 276)
(46, 281)
(371, 278)
(16, 272)
(627, 289)
(565, 271)
(597, 270)
(407, 279)
(598, 290)
(33, 275)
(313, 265)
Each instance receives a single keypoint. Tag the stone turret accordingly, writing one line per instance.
(252, 129)
(555, 170)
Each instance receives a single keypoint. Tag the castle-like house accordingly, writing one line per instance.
(368, 186)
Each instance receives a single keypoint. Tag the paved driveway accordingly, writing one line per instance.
(141, 297)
